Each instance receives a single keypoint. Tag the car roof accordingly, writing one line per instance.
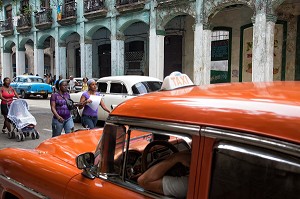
(269, 109)
(29, 76)
(129, 80)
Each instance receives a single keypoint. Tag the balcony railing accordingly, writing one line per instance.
(24, 21)
(93, 5)
(124, 6)
(126, 2)
(69, 10)
(6, 26)
(43, 17)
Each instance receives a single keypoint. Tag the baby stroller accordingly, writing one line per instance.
(22, 120)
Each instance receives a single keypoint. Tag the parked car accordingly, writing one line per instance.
(78, 87)
(243, 140)
(117, 89)
(27, 85)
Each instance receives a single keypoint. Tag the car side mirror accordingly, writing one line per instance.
(85, 161)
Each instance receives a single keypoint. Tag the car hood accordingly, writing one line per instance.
(67, 147)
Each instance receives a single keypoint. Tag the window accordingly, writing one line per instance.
(146, 87)
(39, 80)
(117, 88)
(45, 4)
(242, 171)
(102, 87)
(8, 11)
(126, 152)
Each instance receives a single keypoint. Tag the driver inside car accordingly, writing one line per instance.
(156, 180)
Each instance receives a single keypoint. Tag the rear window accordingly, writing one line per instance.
(146, 87)
(117, 88)
(39, 80)
(102, 87)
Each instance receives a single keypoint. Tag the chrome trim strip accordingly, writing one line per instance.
(166, 126)
(277, 145)
(21, 186)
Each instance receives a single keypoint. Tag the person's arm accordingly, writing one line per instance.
(1, 97)
(152, 178)
(53, 109)
(103, 106)
(83, 101)
(15, 92)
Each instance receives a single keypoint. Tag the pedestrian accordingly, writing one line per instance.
(84, 84)
(61, 114)
(56, 86)
(7, 93)
(90, 109)
(72, 84)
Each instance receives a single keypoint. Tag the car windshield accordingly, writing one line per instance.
(39, 80)
(146, 87)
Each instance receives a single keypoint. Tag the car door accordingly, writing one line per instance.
(117, 93)
(240, 165)
(103, 89)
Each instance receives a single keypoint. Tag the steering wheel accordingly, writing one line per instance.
(152, 144)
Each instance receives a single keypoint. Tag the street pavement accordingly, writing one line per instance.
(40, 109)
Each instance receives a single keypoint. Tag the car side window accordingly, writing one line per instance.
(256, 172)
(102, 87)
(117, 88)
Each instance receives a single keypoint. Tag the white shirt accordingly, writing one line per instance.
(175, 186)
(72, 84)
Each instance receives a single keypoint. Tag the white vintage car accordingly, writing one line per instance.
(117, 89)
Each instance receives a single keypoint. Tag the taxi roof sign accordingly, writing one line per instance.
(176, 80)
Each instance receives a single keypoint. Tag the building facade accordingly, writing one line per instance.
(212, 41)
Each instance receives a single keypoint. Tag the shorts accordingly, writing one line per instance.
(4, 109)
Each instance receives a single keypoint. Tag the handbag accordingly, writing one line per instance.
(69, 102)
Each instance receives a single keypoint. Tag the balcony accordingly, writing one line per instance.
(124, 6)
(24, 24)
(6, 27)
(94, 9)
(43, 19)
(167, 3)
(68, 14)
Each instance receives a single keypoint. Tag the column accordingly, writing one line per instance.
(271, 20)
(20, 61)
(117, 54)
(39, 61)
(6, 64)
(259, 45)
(60, 59)
(86, 59)
(206, 55)
(156, 45)
(202, 54)
(156, 53)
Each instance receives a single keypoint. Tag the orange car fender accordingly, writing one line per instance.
(36, 170)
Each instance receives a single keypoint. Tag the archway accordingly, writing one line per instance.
(179, 45)
(73, 55)
(230, 38)
(101, 53)
(136, 49)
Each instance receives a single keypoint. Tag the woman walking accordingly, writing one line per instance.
(7, 93)
(61, 114)
(84, 84)
(89, 115)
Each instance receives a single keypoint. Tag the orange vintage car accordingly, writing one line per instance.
(238, 140)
